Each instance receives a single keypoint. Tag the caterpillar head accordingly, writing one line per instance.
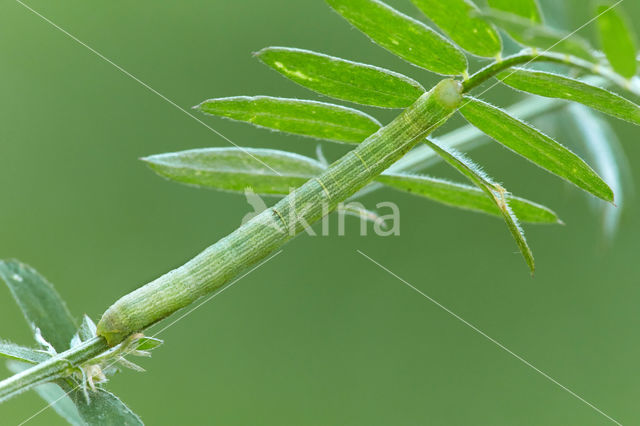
(113, 327)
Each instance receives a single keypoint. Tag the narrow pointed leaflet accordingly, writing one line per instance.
(460, 20)
(403, 36)
(535, 146)
(306, 118)
(343, 79)
(494, 191)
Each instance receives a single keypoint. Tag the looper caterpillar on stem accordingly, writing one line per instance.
(250, 243)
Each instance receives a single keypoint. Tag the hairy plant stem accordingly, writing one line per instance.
(531, 55)
(58, 366)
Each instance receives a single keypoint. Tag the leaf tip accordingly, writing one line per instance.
(609, 196)
(152, 162)
(258, 54)
(531, 263)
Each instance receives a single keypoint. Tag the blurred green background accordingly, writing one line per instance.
(319, 335)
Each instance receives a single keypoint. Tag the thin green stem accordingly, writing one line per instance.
(529, 56)
(56, 367)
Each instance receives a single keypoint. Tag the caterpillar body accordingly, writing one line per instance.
(255, 240)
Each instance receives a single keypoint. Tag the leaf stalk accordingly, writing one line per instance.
(528, 56)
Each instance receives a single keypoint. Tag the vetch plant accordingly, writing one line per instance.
(72, 361)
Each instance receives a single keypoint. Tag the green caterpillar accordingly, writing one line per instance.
(265, 233)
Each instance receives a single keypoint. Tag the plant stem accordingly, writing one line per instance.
(60, 365)
(528, 56)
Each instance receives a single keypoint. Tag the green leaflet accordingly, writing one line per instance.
(104, 408)
(466, 197)
(557, 86)
(403, 36)
(618, 41)
(61, 403)
(460, 21)
(265, 171)
(148, 343)
(86, 332)
(528, 9)
(539, 36)
(534, 146)
(307, 118)
(20, 353)
(40, 303)
(342, 79)
(87, 329)
(496, 193)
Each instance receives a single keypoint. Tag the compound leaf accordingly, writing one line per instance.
(466, 197)
(557, 86)
(343, 79)
(306, 118)
(403, 36)
(265, 171)
(534, 146)
(618, 41)
(461, 21)
(41, 305)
